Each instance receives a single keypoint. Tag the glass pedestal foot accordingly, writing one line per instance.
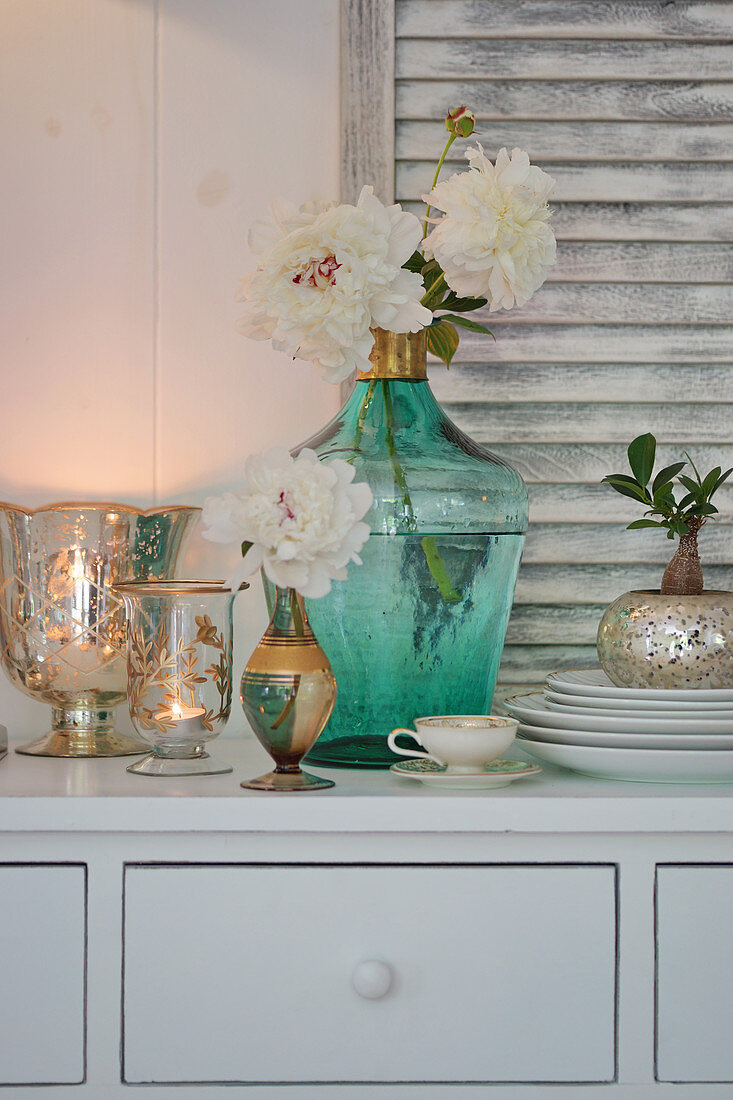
(160, 764)
(83, 744)
(287, 781)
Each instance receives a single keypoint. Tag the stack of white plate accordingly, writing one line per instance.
(584, 723)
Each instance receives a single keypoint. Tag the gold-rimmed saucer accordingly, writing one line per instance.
(499, 773)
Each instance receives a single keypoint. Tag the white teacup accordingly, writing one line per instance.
(464, 743)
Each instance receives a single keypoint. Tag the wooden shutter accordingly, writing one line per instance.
(629, 105)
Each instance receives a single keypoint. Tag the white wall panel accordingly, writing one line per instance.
(247, 112)
(76, 261)
(76, 308)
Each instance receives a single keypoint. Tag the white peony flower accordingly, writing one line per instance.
(301, 516)
(326, 275)
(494, 240)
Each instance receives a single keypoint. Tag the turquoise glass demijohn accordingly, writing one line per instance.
(418, 629)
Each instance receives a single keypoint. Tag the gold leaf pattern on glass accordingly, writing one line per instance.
(172, 675)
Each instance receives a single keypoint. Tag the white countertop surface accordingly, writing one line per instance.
(42, 794)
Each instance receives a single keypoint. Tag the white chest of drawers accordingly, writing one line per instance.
(562, 937)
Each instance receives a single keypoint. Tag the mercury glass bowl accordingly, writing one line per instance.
(62, 628)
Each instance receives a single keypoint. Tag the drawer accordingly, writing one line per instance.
(42, 968)
(694, 973)
(248, 973)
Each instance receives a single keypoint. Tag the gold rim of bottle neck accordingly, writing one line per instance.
(397, 355)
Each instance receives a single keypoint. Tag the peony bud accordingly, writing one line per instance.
(460, 121)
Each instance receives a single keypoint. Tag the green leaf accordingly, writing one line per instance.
(415, 263)
(690, 484)
(708, 482)
(626, 479)
(667, 474)
(628, 489)
(703, 510)
(690, 498)
(697, 475)
(431, 272)
(432, 276)
(721, 479)
(474, 326)
(463, 305)
(616, 480)
(639, 523)
(641, 454)
(435, 285)
(443, 341)
(664, 492)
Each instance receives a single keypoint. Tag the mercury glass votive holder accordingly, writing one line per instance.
(62, 628)
(179, 672)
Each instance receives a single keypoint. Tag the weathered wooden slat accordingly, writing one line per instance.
(558, 605)
(621, 303)
(600, 344)
(642, 221)
(633, 221)
(574, 141)
(556, 422)
(630, 100)
(672, 382)
(545, 463)
(541, 624)
(546, 59)
(552, 503)
(640, 262)
(367, 97)
(612, 543)
(640, 19)
(522, 663)
(580, 584)
(624, 183)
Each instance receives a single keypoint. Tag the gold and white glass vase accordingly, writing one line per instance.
(288, 694)
(179, 666)
(62, 628)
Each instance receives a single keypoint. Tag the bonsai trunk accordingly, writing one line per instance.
(683, 575)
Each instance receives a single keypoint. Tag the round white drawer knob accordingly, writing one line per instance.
(372, 979)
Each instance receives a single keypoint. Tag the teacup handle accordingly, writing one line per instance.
(391, 741)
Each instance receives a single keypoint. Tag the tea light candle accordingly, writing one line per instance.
(187, 719)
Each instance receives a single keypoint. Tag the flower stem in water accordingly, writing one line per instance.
(399, 473)
(361, 418)
(436, 565)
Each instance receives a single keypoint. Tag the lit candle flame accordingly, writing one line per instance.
(78, 566)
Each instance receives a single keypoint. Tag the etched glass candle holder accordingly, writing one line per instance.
(179, 669)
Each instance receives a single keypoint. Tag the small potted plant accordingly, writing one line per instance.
(679, 636)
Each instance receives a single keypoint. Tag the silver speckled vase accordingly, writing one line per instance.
(646, 640)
